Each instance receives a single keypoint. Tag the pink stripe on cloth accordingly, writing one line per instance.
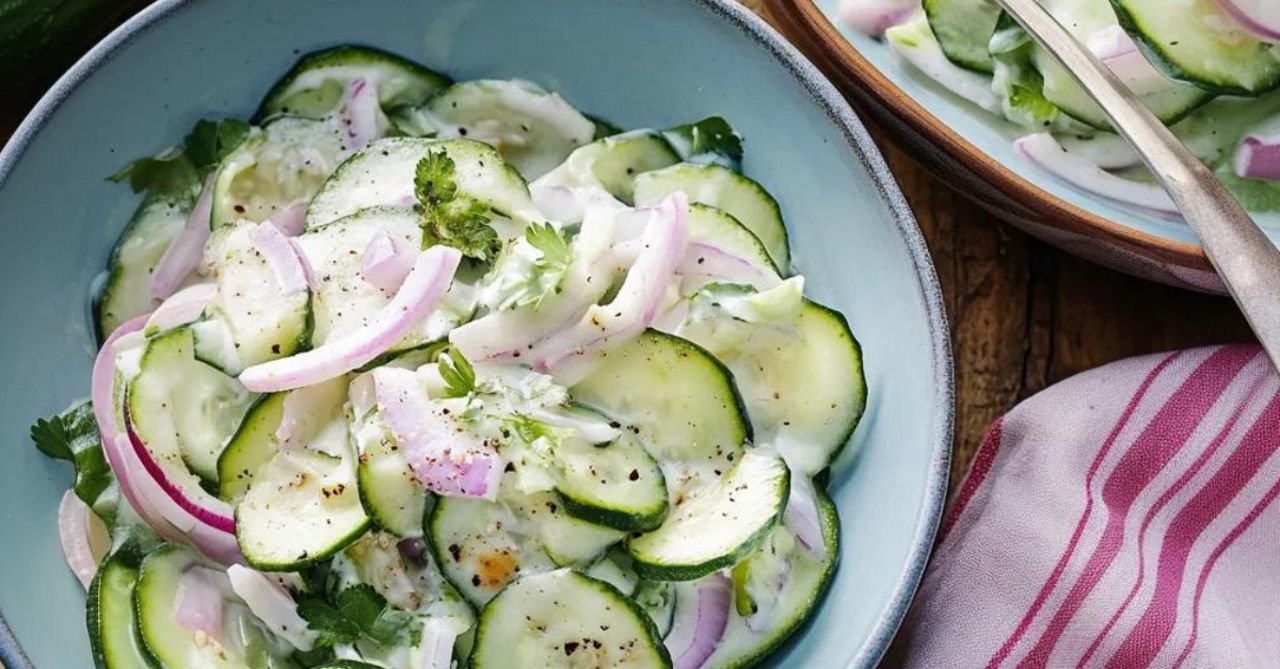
(1163, 438)
(1167, 460)
(1153, 629)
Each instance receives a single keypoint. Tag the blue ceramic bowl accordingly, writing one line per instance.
(635, 62)
(973, 150)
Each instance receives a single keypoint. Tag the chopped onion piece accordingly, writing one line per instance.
(385, 263)
(637, 303)
(445, 460)
(183, 255)
(873, 17)
(1259, 157)
(183, 307)
(291, 220)
(700, 624)
(803, 519)
(200, 602)
(272, 604)
(84, 538)
(281, 256)
(426, 283)
(360, 113)
(1260, 18)
(1043, 150)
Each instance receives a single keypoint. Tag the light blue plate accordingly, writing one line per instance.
(636, 63)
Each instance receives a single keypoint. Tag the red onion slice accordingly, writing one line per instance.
(708, 262)
(281, 257)
(183, 255)
(803, 518)
(1260, 18)
(272, 605)
(1042, 150)
(385, 263)
(1259, 157)
(700, 622)
(200, 602)
(636, 305)
(444, 459)
(360, 114)
(291, 220)
(426, 283)
(84, 539)
(183, 489)
(873, 17)
(183, 307)
(172, 521)
(1117, 50)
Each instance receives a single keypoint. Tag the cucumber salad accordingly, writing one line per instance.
(419, 374)
(1210, 69)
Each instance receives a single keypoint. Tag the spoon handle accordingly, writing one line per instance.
(1245, 258)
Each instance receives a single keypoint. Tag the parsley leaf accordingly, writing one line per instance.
(356, 612)
(178, 172)
(556, 252)
(459, 376)
(211, 141)
(73, 436)
(170, 175)
(709, 140)
(450, 217)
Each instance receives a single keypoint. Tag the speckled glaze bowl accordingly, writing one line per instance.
(634, 62)
(972, 150)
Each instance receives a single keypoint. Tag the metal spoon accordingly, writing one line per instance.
(1245, 258)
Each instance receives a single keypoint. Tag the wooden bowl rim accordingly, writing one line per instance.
(809, 26)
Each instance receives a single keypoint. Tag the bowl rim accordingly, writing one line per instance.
(822, 93)
(811, 26)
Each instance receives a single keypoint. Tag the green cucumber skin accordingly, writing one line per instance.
(1156, 53)
(614, 518)
(324, 57)
(641, 616)
(311, 559)
(831, 528)
(861, 408)
(651, 571)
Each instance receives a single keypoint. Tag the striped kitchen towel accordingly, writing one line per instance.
(1124, 518)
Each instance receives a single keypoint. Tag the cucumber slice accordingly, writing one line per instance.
(617, 485)
(788, 608)
(804, 387)
(304, 505)
(533, 129)
(343, 301)
(113, 627)
(567, 540)
(612, 163)
(265, 323)
(1019, 85)
(964, 29)
(183, 409)
(349, 664)
(215, 345)
(251, 448)
(724, 189)
(1170, 101)
(680, 399)
(479, 547)
(389, 490)
(127, 291)
(717, 227)
(165, 576)
(717, 526)
(314, 86)
(615, 569)
(284, 162)
(1197, 43)
(303, 508)
(382, 174)
(565, 619)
